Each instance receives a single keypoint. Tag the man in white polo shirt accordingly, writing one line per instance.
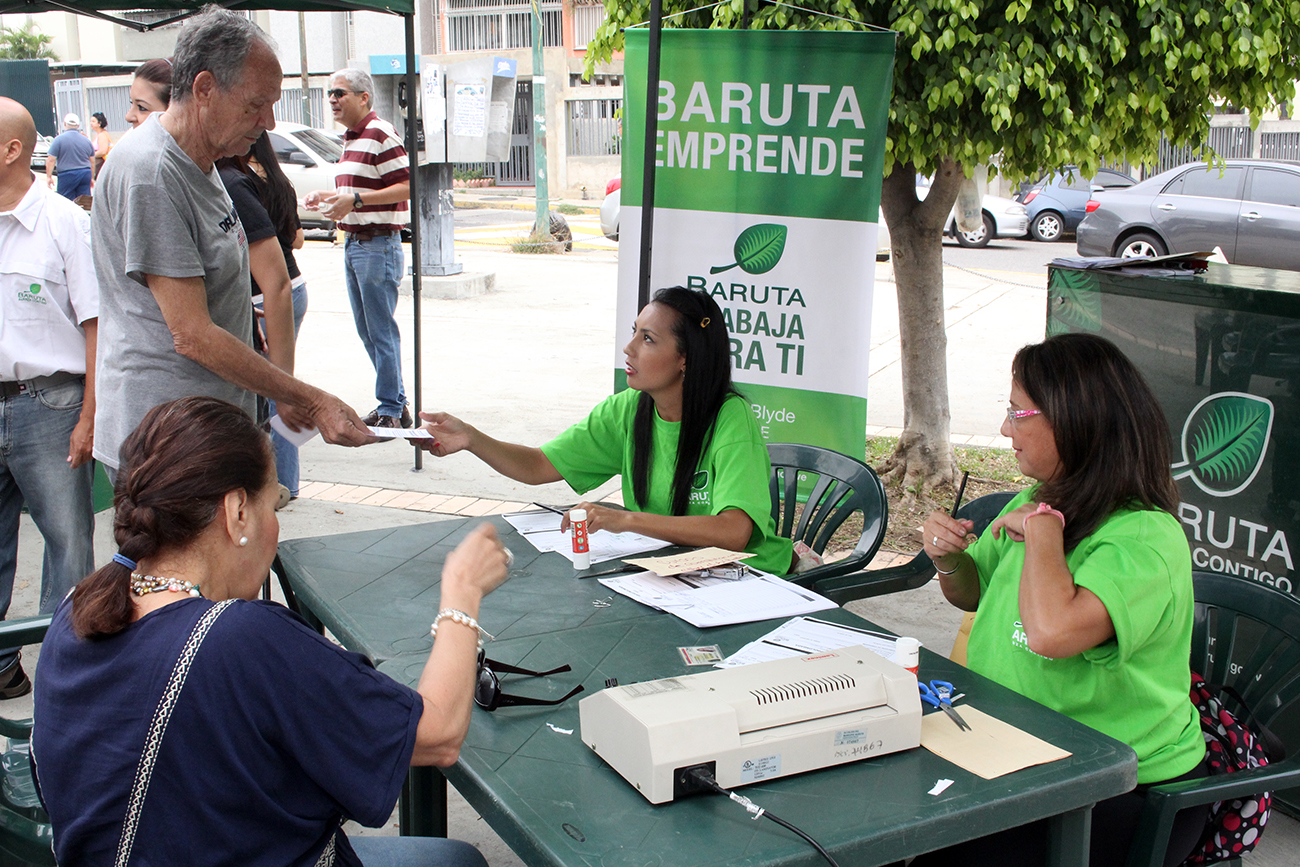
(49, 310)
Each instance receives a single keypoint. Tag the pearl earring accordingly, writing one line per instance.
(243, 540)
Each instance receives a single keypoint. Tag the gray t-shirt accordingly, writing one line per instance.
(156, 213)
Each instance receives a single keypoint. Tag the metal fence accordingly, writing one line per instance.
(592, 127)
(289, 107)
(1229, 142)
(1279, 145)
(586, 18)
(113, 102)
(511, 27)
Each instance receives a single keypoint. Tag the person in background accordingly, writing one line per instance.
(49, 308)
(99, 138)
(370, 206)
(1082, 587)
(273, 735)
(151, 90)
(73, 150)
(694, 466)
(171, 254)
(268, 208)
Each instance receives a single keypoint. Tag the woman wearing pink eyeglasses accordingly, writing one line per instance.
(1082, 587)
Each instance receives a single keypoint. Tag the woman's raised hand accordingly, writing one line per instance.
(477, 566)
(450, 434)
(946, 535)
(1013, 523)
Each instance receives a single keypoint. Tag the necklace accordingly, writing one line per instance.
(142, 585)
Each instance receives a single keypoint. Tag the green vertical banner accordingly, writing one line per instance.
(768, 171)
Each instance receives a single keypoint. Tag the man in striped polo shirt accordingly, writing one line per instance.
(370, 206)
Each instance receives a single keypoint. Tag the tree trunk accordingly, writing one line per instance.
(924, 456)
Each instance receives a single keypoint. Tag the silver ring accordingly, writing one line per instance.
(936, 541)
(510, 557)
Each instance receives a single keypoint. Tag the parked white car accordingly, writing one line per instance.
(308, 157)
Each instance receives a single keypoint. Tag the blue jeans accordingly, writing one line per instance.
(286, 453)
(415, 852)
(373, 270)
(34, 431)
(74, 183)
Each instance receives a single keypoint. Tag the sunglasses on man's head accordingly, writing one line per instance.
(337, 93)
(487, 688)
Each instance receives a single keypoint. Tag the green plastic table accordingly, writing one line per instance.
(555, 802)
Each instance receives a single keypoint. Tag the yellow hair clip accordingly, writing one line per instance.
(704, 323)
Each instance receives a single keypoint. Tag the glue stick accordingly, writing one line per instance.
(907, 653)
(581, 550)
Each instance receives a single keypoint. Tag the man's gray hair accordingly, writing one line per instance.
(359, 81)
(216, 41)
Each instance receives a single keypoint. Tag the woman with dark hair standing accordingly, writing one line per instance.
(695, 469)
(268, 208)
(151, 90)
(103, 144)
(1082, 587)
(180, 720)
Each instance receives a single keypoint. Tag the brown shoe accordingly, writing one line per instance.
(15, 681)
(388, 421)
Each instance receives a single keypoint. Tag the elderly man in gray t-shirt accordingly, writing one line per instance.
(175, 311)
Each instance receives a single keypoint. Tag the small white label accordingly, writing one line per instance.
(753, 770)
(652, 687)
(850, 736)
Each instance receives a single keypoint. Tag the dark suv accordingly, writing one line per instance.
(1250, 209)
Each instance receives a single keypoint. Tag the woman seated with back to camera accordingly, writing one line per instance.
(273, 735)
(1082, 587)
(694, 466)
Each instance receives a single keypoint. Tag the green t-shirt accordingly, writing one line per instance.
(733, 472)
(1133, 687)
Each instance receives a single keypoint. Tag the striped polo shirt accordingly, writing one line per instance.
(373, 158)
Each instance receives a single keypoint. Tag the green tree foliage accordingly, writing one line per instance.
(1041, 83)
(24, 43)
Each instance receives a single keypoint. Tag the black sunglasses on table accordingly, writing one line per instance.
(487, 688)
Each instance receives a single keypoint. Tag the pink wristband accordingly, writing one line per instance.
(1044, 509)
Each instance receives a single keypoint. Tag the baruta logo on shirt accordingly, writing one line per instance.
(32, 295)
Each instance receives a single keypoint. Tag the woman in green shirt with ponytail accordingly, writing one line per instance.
(694, 466)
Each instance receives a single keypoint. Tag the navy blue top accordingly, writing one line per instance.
(71, 151)
(277, 736)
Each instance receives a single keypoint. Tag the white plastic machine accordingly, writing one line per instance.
(756, 722)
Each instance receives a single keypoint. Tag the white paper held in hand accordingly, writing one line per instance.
(296, 438)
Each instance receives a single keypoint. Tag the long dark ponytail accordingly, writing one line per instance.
(176, 469)
(275, 190)
(702, 339)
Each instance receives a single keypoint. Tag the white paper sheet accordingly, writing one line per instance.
(295, 437)
(805, 635)
(542, 530)
(718, 601)
(410, 433)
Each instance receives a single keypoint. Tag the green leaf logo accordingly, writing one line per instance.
(1074, 301)
(1224, 441)
(35, 288)
(701, 480)
(757, 250)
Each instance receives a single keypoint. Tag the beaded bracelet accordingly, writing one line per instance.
(455, 615)
(1045, 509)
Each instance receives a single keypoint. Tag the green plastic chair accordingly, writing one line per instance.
(1247, 636)
(25, 834)
(831, 487)
(915, 572)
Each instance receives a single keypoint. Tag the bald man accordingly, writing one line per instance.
(49, 304)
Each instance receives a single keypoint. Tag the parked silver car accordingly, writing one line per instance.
(308, 157)
(1250, 209)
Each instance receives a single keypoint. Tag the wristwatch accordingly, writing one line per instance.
(356, 201)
